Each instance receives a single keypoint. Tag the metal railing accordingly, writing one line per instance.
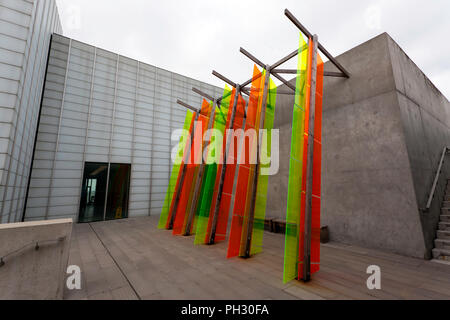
(436, 179)
(34, 243)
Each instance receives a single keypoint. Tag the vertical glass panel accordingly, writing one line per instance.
(263, 180)
(293, 246)
(175, 177)
(118, 191)
(246, 169)
(93, 192)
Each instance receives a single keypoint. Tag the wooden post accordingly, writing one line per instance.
(309, 165)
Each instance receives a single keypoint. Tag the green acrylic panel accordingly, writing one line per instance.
(295, 171)
(263, 179)
(175, 173)
(209, 178)
(205, 172)
(205, 203)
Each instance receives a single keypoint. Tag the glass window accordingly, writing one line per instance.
(118, 191)
(96, 189)
(93, 192)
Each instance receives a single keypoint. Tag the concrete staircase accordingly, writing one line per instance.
(442, 243)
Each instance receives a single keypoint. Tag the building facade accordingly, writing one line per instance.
(86, 134)
(25, 30)
(104, 144)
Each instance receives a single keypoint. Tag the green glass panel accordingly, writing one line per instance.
(209, 178)
(175, 173)
(295, 171)
(263, 179)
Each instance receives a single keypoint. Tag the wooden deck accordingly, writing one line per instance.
(132, 259)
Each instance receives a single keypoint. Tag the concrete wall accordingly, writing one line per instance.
(371, 190)
(102, 107)
(34, 274)
(425, 114)
(26, 27)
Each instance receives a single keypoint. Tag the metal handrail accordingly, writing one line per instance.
(35, 243)
(436, 179)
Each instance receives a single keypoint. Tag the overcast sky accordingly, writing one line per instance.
(193, 37)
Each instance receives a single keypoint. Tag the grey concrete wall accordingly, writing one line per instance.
(372, 191)
(26, 27)
(425, 114)
(34, 274)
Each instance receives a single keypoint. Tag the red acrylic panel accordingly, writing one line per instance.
(246, 170)
(305, 164)
(224, 207)
(317, 172)
(219, 168)
(178, 186)
(192, 168)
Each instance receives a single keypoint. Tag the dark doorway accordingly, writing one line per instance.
(101, 190)
(118, 191)
(93, 192)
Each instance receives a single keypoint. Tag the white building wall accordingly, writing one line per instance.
(102, 107)
(25, 30)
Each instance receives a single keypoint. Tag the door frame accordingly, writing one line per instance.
(105, 204)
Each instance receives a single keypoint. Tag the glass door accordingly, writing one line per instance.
(118, 191)
(105, 192)
(93, 193)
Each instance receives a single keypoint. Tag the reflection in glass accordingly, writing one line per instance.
(93, 192)
(118, 191)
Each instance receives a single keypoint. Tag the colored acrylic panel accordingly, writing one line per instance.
(233, 160)
(295, 227)
(301, 251)
(225, 199)
(200, 178)
(221, 122)
(263, 179)
(243, 195)
(317, 172)
(175, 176)
(316, 183)
(291, 254)
(192, 168)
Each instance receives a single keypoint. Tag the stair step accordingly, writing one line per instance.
(447, 197)
(442, 244)
(441, 261)
(445, 218)
(445, 211)
(445, 226)
(445, 235)
(441, 253)
(445, 204)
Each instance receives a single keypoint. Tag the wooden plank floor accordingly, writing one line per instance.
(132, 259)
